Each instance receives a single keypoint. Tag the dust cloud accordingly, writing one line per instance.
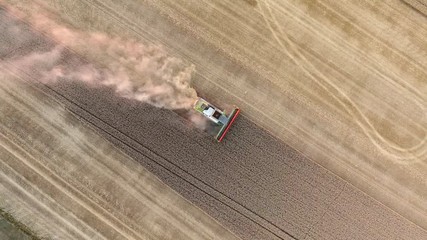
(135, 70)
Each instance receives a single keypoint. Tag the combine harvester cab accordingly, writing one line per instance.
(217, 116)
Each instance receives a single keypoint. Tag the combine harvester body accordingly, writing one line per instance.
(217, 116)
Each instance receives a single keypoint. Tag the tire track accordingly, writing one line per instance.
(399, 84)
(401, 155)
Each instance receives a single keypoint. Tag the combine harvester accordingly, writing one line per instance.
(217, 116)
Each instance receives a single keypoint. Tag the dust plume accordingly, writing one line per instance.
(135, 70)
(155, 79)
